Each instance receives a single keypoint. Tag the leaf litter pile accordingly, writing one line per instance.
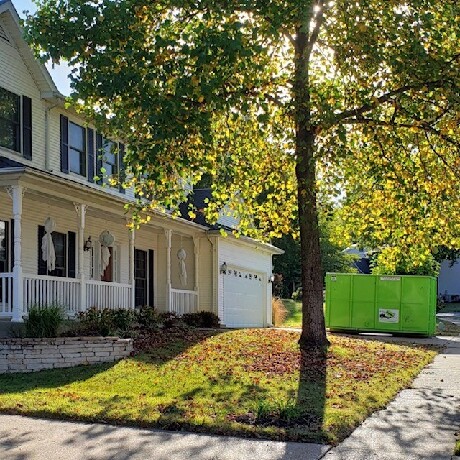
(246, 382)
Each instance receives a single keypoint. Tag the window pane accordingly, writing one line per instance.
(76, 137)
(109, 159)
(59, 240)
(9, 120)
(77, 149)
(74, 161)
(9, 105)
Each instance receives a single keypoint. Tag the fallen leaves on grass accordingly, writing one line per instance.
(248, 382)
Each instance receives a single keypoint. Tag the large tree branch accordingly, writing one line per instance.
(424, 127)
(319, 18)
(359, 111)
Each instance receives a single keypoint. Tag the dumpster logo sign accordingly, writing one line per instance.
(390, 278)
(388, 315)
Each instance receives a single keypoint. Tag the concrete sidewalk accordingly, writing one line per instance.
(419, 424)
(24, 438)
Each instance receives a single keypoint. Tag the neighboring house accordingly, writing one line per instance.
(63, 236)
(449, 281)
(362, 258)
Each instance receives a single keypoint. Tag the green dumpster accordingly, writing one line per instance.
(381, 303)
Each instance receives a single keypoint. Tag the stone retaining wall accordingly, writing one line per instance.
(29, 355)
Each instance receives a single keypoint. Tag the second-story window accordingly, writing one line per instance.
(16, 131)
(77, 149)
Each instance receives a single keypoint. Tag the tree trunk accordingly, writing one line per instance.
(313, 325)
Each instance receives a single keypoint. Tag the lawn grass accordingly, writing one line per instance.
(451, 308)
(294, 313)
(243, 382)
(457, 447)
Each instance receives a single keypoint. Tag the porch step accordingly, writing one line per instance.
(9, 329)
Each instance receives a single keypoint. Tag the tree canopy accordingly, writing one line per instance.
(277, 100)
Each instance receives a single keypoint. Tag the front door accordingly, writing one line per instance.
(143, 277)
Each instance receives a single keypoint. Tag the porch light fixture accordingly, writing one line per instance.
(223, 268)
(272, 278)
(88, 244)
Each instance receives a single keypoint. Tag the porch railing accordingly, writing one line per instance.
(108, 295)
(183, 301)
(46, 290)
(6, 294)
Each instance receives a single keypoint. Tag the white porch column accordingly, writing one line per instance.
(80, 209)
(16, 193)
(132, 237)
(196, 249)
(168, 235)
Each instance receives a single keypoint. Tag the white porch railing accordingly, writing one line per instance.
(183, 301)
(6, 294)
(46, 290)
(108, 295)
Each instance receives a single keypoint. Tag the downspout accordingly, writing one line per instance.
(215, 281)
(47, 141)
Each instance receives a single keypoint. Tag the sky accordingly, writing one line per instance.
(58, 73)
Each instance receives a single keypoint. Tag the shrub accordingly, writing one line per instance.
(105, 322)
(279, 311)
(148, 318)
(201, 319)
(297, 294)
(170, 320)
(44, 321)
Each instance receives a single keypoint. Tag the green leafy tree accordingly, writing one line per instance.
(274, 100)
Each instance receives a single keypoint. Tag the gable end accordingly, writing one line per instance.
(4, 36)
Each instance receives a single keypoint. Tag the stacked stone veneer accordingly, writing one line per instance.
(29, 355)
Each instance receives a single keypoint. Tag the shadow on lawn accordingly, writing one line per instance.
(51, 378)
(311, 395)
(156, 347)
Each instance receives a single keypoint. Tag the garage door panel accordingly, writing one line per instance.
(244, 304)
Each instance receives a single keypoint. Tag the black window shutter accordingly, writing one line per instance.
(150, 279)
(64, 144)
(99, 157)
(27, 127)
(90, 140)
(71, 254)
(10, 242)
(121, 166)
(42, 268)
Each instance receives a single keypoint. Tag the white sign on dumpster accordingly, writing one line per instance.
(388, 315)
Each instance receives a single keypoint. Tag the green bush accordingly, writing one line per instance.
(170, 320)
(297, 294)
(201, 319)
(105, 322)
(148, 318)
(44, 321)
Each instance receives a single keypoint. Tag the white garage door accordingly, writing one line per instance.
(244, 298)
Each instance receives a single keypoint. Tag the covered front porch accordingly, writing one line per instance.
(99, 261)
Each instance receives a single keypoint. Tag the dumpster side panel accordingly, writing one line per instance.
(416, 304)
(388, 303)
(363, 302)
(338, 290)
